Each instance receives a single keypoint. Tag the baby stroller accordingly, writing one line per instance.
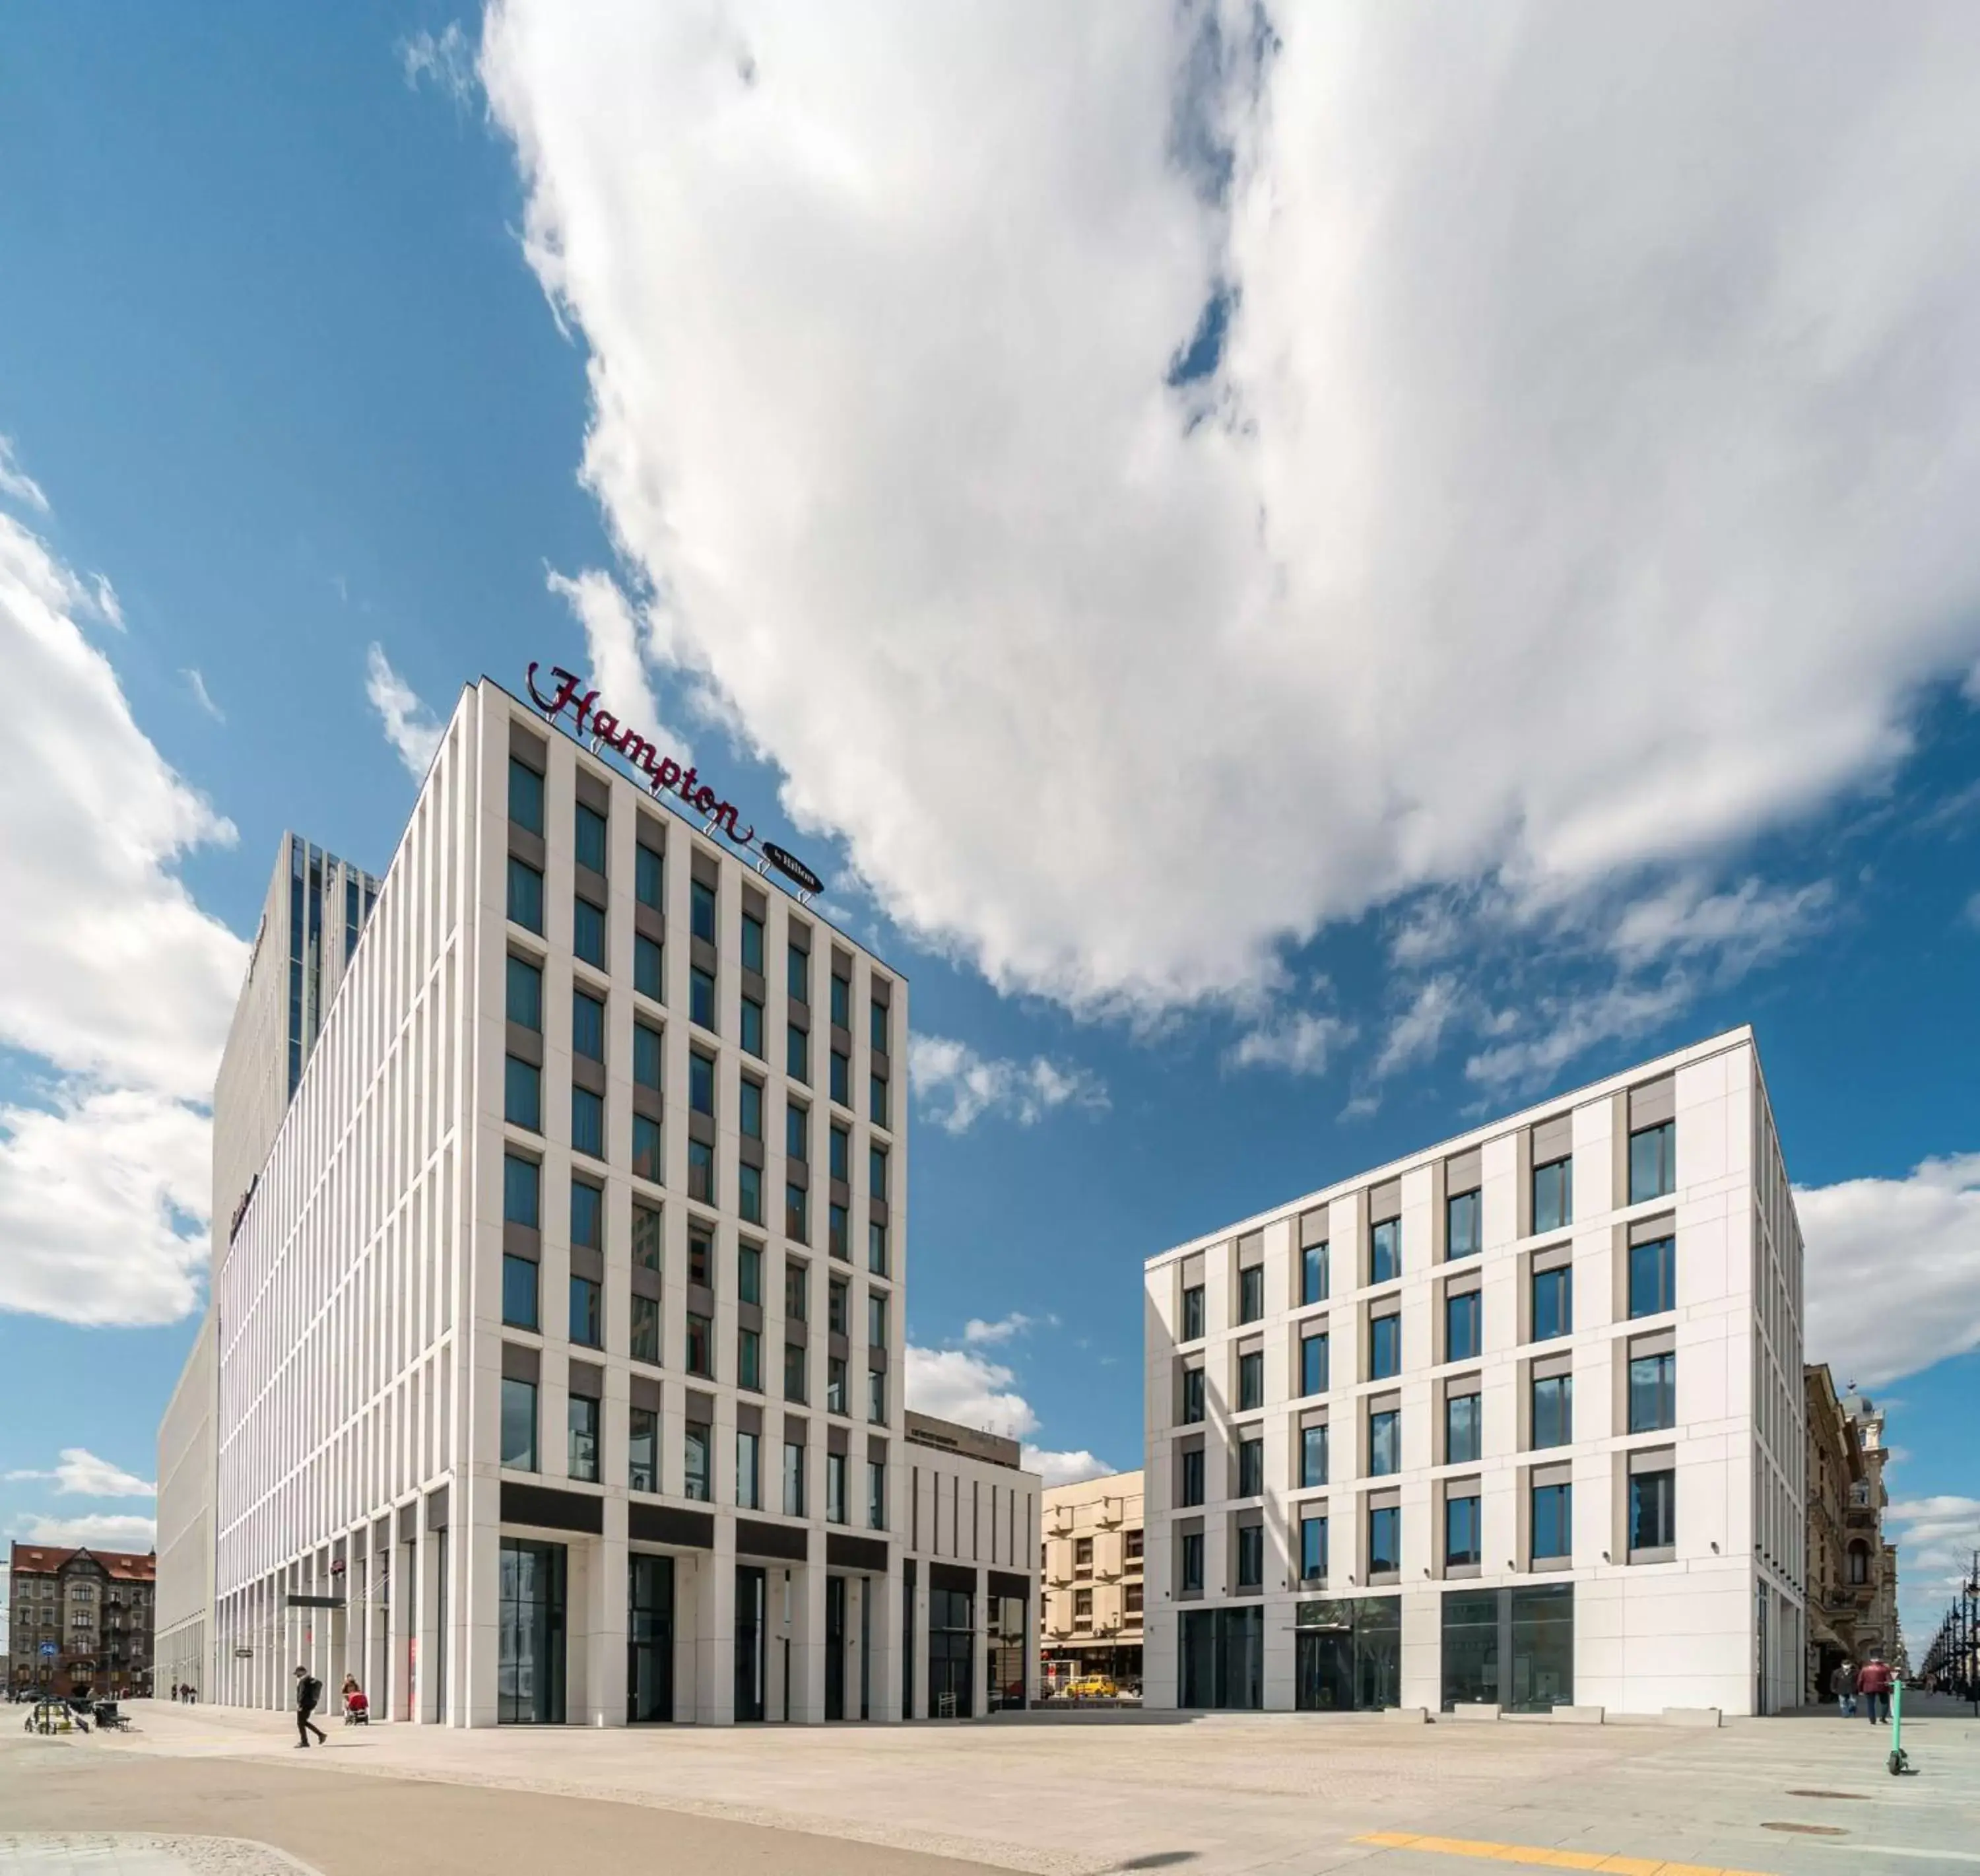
(357, 1708)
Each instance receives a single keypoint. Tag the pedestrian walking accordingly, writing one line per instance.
(1873, 1682)
(309, 1696)
(175, 1690)
(1842, 1684)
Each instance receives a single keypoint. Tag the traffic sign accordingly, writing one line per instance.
(48, 1647)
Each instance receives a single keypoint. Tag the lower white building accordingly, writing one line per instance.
(1513, 1422)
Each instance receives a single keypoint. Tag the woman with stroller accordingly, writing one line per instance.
(357, 1708)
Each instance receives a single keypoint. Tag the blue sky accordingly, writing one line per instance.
(1250, 797)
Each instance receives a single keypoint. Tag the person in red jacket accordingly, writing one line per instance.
(1874, 1684)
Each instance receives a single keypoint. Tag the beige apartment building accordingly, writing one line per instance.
(1090, 1566)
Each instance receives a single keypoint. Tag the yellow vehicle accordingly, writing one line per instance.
(1093, 1686)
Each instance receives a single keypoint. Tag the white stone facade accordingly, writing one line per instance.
(1714, 1618)
(368, 1351)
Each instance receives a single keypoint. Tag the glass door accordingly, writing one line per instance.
(834, 1647)
(650, 1639)
(529, 1668)
(749, 1640)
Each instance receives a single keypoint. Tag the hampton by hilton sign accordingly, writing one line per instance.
(662, 774)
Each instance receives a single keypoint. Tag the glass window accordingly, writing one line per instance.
(750, 1274)
(701, 999)
(876, 1247)
(876, 1495)
(749, 1483)
(1312, 1456)
(1553, 1410)
(1192, 1312)
(834, 1384)
(588, 1216)
(797, 1213)
(1250, 1556)
(519, 1292)
(1251, 1292)
(1312, 1274)
(523, 1094)
(695, 1481)
(584, 1439)
(1460, 1531)
(876, 1171)
(525, 796)
(839, 1232)
(797, 1053)
(1313, 1364)
(796, 1380)
(526, 994)
(794, 1479)
(587, 1123)
(701, 910)
(1554, 1196)
(649, 973)
(518, 1424)
(749, 1192)
(1553, 1521)
(797, 1131)
(1385, 1443)
(1653, 1162)
(834, 1488)
(1460, 1225)
(1653, 1392)
(1192, 1394)
(1189, 1487)
(587, 1026)
(1250, 1381)
(648, 1056)
(1189, 1567)
(876, 1026)
(876, 1099)
(749, 1108)
(590, 838)
(1653, 1277)
(751, 1033)
(587, 1313)
(876, 1319)
(1461, 1429)
(842, 1079)
(842, 1002)
(1554, 1302)
(522, 1191)
(701, 1256)
(749, 1360)
(753, 944)
(1460, 1326)
(649, 878)
(643, 1449)
(645, 1341)
(526, 895)
(1385, 1347)
(1385, 1540)
(701, 1172)
(1312, 1549)
(876, 1395)
(840, 1150)
(1385, 1250)
(587, 932)
(700, 1082)
(645, 1238)
(700, 1347)
(838, 1308)
(1251, 1468)
(648, 1159)
(797, 974)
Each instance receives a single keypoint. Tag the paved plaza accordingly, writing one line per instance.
(1205, 1795)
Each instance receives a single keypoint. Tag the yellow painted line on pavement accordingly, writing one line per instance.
(1544, 1859)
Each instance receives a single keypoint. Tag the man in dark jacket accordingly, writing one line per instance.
(1843, 1683)
(1873, 1682)
(309, 1693)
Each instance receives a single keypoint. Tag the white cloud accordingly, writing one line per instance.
(1414, 1035)
(98, 1530)
(1753, 924)
(203, 696)
(1546, 511)
(79, 1473)
(445, 60)
(1893, 1269)
(410, 726)
(1066, 1468)
(955, 1087)
(1567, 1025)
(619, 641)
(16, 483)
(104, 601)
(1297, 1041)
(972, 1390)
(976, 1332)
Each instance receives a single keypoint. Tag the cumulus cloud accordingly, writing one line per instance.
(79, 1473)
(1915, 1243)
(97, 1530)
(620, 640)
(15, 483)
(410, 726)
(976, 1332)
(973, 1390)
(955, 1087)
(1155, 498)
(1301, 1042)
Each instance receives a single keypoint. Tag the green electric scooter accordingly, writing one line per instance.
(1898, 1764)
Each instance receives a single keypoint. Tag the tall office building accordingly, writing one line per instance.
(1516, 1421)
(558, 1343)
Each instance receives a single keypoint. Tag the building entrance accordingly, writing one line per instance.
(650, 1639)
(1223, 1658)
(834, 1647)
(1348, 1655)
(530, 1645)
(750, 1638)
(1511, 1648)
(951, 1647)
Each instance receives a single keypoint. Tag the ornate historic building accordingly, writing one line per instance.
(80, 1621)
(1852, 1573)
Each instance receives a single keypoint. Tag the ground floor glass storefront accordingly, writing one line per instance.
(1514, 1648)
(1222, 1658)
(1348, 1655)
(650, 1639)
(952, 1651)
(530, 1639)
(1009, 1656)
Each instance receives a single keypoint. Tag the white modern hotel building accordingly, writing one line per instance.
(1513, 1424)
(557, 1349)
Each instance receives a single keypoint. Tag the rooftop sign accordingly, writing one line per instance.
(662, 774)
